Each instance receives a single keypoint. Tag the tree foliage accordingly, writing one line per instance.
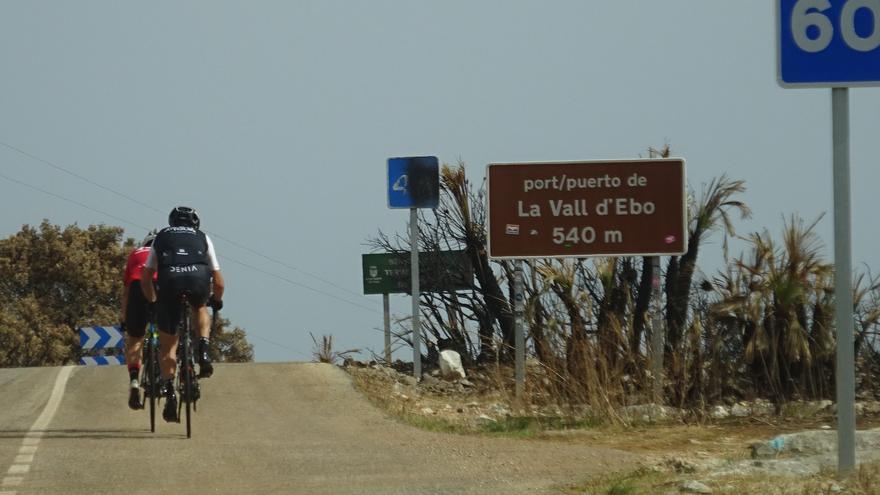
(230, 346)
(54, 280)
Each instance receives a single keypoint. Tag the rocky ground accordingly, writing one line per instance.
(720, 450)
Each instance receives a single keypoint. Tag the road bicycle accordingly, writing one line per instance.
(151, 381)
(187, 383)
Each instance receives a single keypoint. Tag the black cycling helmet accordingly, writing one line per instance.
(183, 216)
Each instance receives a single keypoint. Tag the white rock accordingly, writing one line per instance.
(500, 410)
(483, 420)
(450, 365)
(719, 412)
(763, 407)
(427, 411)
(740, 410)
(693, 486)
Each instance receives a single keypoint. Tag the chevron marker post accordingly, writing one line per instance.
(102, 360)
(101, 338)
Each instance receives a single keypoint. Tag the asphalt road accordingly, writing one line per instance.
(259, 429)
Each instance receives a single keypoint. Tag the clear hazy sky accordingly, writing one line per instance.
(275, 120)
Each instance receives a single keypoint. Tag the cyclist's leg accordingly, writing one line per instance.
(168, 318)
(168, 358)
(135, 324)
(204, 320)
(199, 285)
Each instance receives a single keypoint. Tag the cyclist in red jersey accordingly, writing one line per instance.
(135, 316)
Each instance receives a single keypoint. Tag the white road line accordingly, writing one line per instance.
(54, 400)
(22, 462)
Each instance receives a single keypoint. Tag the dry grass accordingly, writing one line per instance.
(865, 481)
(662, 445)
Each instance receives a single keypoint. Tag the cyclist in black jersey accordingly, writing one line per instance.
(185, 260)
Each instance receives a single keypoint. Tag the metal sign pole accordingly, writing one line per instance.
(519, 310)
(656, 332)
(414, 270)
(846, 417)
(387, 312)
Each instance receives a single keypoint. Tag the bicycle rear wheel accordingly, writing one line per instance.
(152, 370)
(186, 368)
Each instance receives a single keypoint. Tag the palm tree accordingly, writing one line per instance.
(710, 213)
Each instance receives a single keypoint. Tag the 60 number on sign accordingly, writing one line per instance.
(810, 13)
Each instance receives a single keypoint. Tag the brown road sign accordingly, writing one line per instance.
(590, 208)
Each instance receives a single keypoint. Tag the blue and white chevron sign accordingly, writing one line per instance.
(102, 360)
(105, 337)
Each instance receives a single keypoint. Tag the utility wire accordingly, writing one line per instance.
(298, 284)
(225, 258)
(153, 208)
(10, 179)
(261, 255)
(80, 177)
(291, 349)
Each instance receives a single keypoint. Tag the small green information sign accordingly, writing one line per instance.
(389, 273)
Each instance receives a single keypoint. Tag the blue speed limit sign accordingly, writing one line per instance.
(828, 43)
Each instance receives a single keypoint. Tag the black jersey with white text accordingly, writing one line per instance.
(181, 246)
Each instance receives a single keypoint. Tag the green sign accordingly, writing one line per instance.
(444, 271)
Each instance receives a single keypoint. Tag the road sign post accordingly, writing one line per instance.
(843, 306)
(386, 320)
(836, 45)
(519, 310)
(416, 313)
(656, 332)
(389, 273)
(414, 182)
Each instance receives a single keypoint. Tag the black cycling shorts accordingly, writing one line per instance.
(193, 280)
(136, 311)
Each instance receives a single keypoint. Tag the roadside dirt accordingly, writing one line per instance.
(479, 406)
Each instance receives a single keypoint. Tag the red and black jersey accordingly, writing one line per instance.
(135, 265)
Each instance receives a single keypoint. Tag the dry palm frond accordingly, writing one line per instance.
(559, 274)
(323, 352)
(797, 345)
(758, 344)
(713, 207)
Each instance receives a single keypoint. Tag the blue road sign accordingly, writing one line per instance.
(102, 360)
(100, 337)
(828, 43)
(413, 182)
